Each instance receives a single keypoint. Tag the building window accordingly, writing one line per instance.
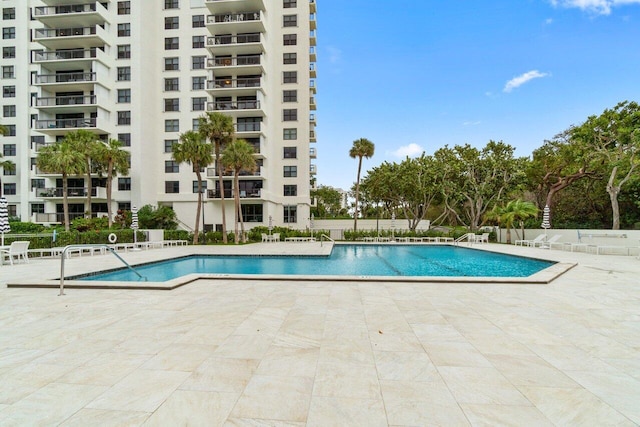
(124, 51)
(125, 139)
(9, 13)
(195, 124)
(197, 21)
(290, 213)
(171, 64)
(198, 104)
(290, 134)
(195, 187)
(290, 152)
(171, 126)
(171, 23)
(168, 145)
(171, 4)
(124, 184)
(248, 124)
(172, 187)
(124, 96)
(9, 150)
(8, 72)
(11, 130)
(124, 206)
(197, 62)
(171, 43)
(251, 213)
(37, 183)
(172, 104)
(9, 33)
(8, 111)
(124, 74)
(289, 96)
(290, 21)
(9, 52)
(9, 172)
(10, 188)
(290, 115)
(288, 4)
(290, 39)
(290, 171)
(124, 117)
(290, 190)
(171, 84)
(8, 91)
(124, 30)
(124, 8)
(197, 42)
(197, 83)
(290, 58)
(171, 166)
(37, 208)
(290, 77)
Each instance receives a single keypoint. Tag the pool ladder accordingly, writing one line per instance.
(324, 236)
(107, 247)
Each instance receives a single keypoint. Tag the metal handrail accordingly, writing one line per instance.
(324, 236)
(466, 237)
(109, 248)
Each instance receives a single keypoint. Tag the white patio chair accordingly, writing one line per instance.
(18, 249)
(538, 241)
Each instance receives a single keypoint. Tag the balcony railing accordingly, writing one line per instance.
(71, 192)
(233, 83)
(233, 17)
(43, 33)
(65, 123)
(233, 105)
(247, 127)
(239, 39)
(236, 61)
(59, 10)
(228, 194)
(66, 100)
(65, 54)
(211, 173)
(65, 78)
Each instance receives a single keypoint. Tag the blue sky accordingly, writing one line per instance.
(414, 75)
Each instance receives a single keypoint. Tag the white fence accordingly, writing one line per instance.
(625, 238)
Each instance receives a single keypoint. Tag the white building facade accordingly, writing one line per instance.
(142, 72)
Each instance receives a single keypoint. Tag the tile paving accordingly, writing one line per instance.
(318, 353)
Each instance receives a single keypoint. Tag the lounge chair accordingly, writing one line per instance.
(18, 249)
(552, 241)
(481, 238)
(538, 241)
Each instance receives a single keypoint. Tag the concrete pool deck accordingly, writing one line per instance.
(317, 353)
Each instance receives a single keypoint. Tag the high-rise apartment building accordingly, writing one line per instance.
(142, 72)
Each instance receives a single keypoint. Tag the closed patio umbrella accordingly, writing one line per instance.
(546, 224)
(4, 218)
(134, 223)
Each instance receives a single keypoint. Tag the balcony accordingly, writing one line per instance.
(69, 59)
(312, 136)
(70, 104)
(312, 38)
(227, 6)
(236, 108)
(240, 86)
(69, 82)
(312, 86)
(66, 38)
(312, 70)
(228, 194)
(313, 153)
(240, 44)
(247, 64)
(63, 126)
(312, 119)
(312, 54)
(312, 103)
(71, 14)
(243, 22)
(313, 169)
(72, 192)
(312, 21)
(312, 6)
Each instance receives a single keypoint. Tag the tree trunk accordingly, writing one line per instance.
(109, 189)
(355, 214)
(509, 235)
(244, 239)
(65, 202)
(89, 187)
(220, 184)
(196, 229)
(236, 197)
(613, 191)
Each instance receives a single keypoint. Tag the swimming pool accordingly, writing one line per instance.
(345, 260)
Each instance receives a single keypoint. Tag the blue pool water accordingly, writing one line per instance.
(345, 260)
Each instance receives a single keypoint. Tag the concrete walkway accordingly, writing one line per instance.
(233, 352)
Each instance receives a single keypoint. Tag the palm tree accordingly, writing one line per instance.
(218, 128)
(194, 149)
(361, 148)
(515, 210)
(86, 144)
(521, 211)
(116, 161)
(64, 159)
(238, 157)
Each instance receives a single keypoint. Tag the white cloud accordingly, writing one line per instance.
(522, 79)
(477, 122)
(601, 7)
(411, 150)
(548, 21)
(335, 54)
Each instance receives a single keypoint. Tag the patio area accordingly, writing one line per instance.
(319, 353)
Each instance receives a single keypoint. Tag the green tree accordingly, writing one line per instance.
(85, 143)
(151, 218)
(238, 157)
(194, 149)
(61, 158)
(614, 138)
(218, 128)
(328, 201)
(111, 157)
(361, 148)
